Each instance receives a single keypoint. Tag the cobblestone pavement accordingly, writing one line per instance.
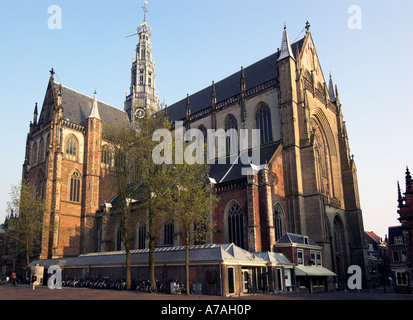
(25, 292)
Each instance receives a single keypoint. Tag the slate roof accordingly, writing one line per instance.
(77, 107)
(200, 253)
(233, 170)
(274, 257)
(256, 74)
(395, 231)
(290, 238)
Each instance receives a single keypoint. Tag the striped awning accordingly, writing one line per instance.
(313, 271)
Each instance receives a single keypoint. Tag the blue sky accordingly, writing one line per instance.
(196, 42)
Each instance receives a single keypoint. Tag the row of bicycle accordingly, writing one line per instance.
(173, 286)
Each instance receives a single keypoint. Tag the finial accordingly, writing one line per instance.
(243, 84)
(307, 26)
(145, 10)
(52, 73)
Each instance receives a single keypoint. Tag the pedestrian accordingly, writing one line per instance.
(34, 280)
(14, 278)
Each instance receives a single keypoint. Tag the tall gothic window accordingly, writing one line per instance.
(322, 162)
(40, 184)
(231, 130)
(168, 233)
(34, 153)
(141, 237)
(236, 225)
(263, 123)
(106, 158)
(119, 239)
(71, 148)
(278, 222)
(41, 150)
(75, 180)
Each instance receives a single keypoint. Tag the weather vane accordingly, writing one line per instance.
(145, 10)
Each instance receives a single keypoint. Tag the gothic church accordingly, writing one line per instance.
(306, 182)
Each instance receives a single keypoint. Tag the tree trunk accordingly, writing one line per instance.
(128, 273)
(187, 263)
(151, 250)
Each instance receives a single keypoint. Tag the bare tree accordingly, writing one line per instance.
(27, 221)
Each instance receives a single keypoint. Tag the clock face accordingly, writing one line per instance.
(140, 113)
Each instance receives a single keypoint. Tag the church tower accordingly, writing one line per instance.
(143, 96)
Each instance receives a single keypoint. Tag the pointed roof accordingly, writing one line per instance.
(332, 89)
(94, 111)
(286, 50)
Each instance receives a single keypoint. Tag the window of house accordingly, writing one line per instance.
(312, 257)
(401, 279)
(398, 240)
(236, 225)
(263, 123)
(396, 257)
(75, 187)
(300, 257)
(318, 258)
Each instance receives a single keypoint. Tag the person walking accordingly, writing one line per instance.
(14, 278)
(34, 280)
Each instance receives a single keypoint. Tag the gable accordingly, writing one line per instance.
(309, 62)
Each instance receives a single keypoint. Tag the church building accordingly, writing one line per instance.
(305, 183)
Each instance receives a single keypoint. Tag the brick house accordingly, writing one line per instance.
(306, 255)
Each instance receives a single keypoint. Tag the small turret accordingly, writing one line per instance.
(286, 50)
(35, 115)
(188, 107)
(94, 110)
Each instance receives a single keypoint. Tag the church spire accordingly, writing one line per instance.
(286, 50)
(94, 111)
(143, 96)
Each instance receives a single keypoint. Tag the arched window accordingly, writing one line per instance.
(322, 161)
(75, 180)
(263, 123)
(34, 154)
(278, 219)
(231, 130)
(106, 158)
(236, 225)
(71, 147)
(204, 131)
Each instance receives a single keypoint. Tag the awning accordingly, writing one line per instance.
(313, 271)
